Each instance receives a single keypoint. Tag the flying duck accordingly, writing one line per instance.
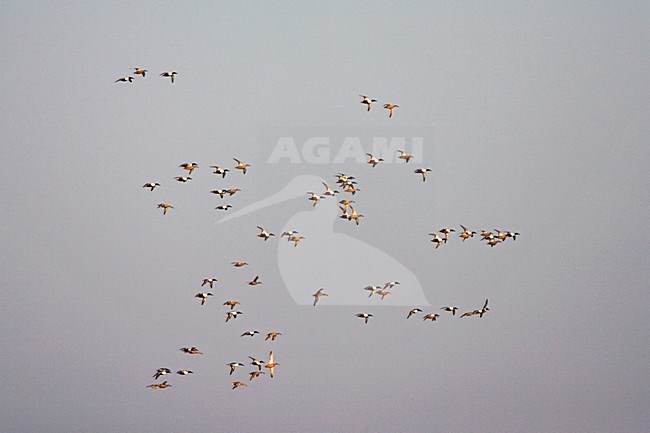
(319, 294)
(232, 315)
(405, 156)
(329, 192)
(255, 281)
(203, 296)
(159, 385)
(231, 304)
(345, 204)
(124, 79)
(296, 239)
(161, 372)
(288, 234)
(466, 234)
(314, 197)
(373, 160)
(446, 231)
(413, 312)
(140, 71)
(256, 362)
(366, 100)
(383, 293)
(271, 364)
(480, 311)
(354, 215)
(372, 289)
(249, 333)
(241, 166)
(437, 239)
(189, 166)
(209, 281)
(423, 172)
(264, 234)
(364, 316)
(219, 170)
(164, 207)
(390, 108)
(450, 309)
(254, 374)
(151, 185)
(169, 74)
(233, 366)
(272, 336)
(220, 192)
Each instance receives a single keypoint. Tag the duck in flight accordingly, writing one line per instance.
(231, 304)
(151, 185)
(423, 172)
(373, 160)
(169, 74)
(233, 366)
(220, 170)
(271, 364)
(241, 166)
(257, 363)
(480, 312)
(405, 156)
(264, 234)
(452, 310)
(209, 281)
(161, 372)
(203, 296)
(159, 385)
(232, 315)
(364, 316)
(249, 333)
(413, 312)
(319, 294)
(189, 166)
(368, 101)
(466, 234)
(254, 374)
(390, 108)
(164, 207)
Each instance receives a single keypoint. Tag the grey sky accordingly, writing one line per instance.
(534, 119)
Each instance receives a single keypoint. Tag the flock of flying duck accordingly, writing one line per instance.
(143, 72)
(230, 304)
(348, 184)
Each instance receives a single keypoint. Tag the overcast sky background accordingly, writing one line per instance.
(534, 118)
